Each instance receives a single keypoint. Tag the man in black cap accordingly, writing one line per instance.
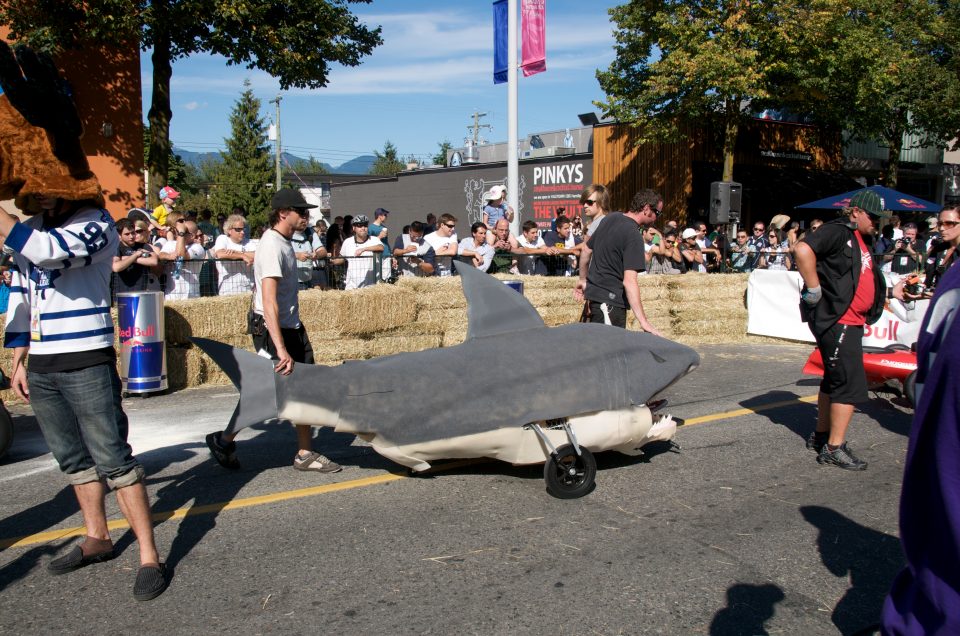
(275, 321)
(843, 291)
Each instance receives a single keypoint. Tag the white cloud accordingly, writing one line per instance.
(194, 105)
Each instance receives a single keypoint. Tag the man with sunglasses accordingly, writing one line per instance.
(757, 242)
(444, 244)
(235, 254)
(610, 284)
(275, 322)
(843, 291)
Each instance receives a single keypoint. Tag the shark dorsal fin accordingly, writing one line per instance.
(492, 307)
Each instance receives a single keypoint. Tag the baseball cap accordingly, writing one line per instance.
(932, 222)
(688, 233)
(289, 198)
(870, 202)
(360, 219)
(167, 192)
(380, 212)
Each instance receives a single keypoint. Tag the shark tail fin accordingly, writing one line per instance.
(258, 401)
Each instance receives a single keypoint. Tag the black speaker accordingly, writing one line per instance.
(725, 201)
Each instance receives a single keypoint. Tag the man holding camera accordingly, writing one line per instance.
(907, 252)
(843, 291)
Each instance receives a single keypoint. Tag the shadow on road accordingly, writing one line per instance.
(801, 417)
(748, 608)
(870, 559)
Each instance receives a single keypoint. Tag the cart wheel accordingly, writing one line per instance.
(910, 388)
(569, 476)
(6, 430)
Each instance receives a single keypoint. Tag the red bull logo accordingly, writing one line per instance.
(882, 332)
(138, 333)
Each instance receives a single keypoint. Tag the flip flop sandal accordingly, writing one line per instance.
(75, 559)
(151, 582)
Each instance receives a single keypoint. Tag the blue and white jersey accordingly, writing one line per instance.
(60, 287)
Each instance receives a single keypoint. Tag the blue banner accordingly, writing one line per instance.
(500, 9)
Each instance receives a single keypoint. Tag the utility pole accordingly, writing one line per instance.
(276, 101)
(477, 126)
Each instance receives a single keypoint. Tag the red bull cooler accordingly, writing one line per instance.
(515, 285)
(143, 354)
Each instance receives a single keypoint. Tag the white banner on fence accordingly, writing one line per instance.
(773, 303)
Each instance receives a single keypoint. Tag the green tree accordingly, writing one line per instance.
(247, 169)
(387, 163)
(683, 62)
(880, 69)
(440, 159)
(293, 41)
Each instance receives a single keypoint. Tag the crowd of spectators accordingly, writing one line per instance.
(190, 255)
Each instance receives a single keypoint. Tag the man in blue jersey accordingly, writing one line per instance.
(64, 365)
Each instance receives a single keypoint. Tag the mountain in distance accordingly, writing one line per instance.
(357, 165)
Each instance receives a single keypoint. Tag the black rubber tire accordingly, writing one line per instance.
(568, 475)
(910, 388)
(6, 431)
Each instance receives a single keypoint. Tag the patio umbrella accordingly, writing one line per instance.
(891, 199)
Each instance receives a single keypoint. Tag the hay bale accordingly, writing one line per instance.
(216, 317)
(733, 327)
(340, 349)
(449, 318)
(453, 337)
(551, 297)
(186, 367)
(555, 316)
(374, 309)
(390, 345)
(437, 292)
(706, 287)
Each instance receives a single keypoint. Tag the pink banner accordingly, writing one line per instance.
(533, 18)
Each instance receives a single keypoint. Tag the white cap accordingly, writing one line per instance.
(688, 233)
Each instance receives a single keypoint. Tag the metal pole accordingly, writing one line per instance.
(513, 168)
(278, 147)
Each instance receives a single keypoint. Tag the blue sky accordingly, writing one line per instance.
(420, 87)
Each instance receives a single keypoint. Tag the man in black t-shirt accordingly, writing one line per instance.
(610, 284)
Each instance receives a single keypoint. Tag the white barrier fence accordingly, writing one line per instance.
(773, 303)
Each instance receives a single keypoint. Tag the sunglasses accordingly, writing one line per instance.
(948, 224)
(238, 229)
(758, 229)
(590, 202)
(450, 226)
(139, 231)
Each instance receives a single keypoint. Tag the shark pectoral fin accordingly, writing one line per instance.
(253, 376)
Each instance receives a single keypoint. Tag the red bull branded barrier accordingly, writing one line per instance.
(143, 354)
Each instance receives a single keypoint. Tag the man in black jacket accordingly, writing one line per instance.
(843, 290)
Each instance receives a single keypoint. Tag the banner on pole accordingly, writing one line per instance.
(533, 35)
(500, 16)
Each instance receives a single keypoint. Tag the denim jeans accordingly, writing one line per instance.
(82, 420)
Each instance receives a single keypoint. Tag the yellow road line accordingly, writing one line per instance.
(180, 513)
(750, 411)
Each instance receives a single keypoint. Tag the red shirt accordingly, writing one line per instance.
(856, 314)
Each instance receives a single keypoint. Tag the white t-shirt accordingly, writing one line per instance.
(236, 277)
(183, 277)
(275, 259)
(360, 269)
(528, 263)
(436, 242)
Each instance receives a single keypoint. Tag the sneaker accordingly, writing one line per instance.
(316, 462)
(842, 457)
(225, 454)
(816, 441)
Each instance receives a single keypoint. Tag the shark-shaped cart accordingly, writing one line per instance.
(514, 390)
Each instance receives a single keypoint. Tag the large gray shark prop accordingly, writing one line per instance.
(586, 383)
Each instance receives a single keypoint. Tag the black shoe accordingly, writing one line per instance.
(841, 457)
(816, 441)
(75, 559)
(151, 582)
(225, 454)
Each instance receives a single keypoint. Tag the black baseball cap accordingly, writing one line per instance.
(289, 198)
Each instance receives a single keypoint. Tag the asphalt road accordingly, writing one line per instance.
(741, 532)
